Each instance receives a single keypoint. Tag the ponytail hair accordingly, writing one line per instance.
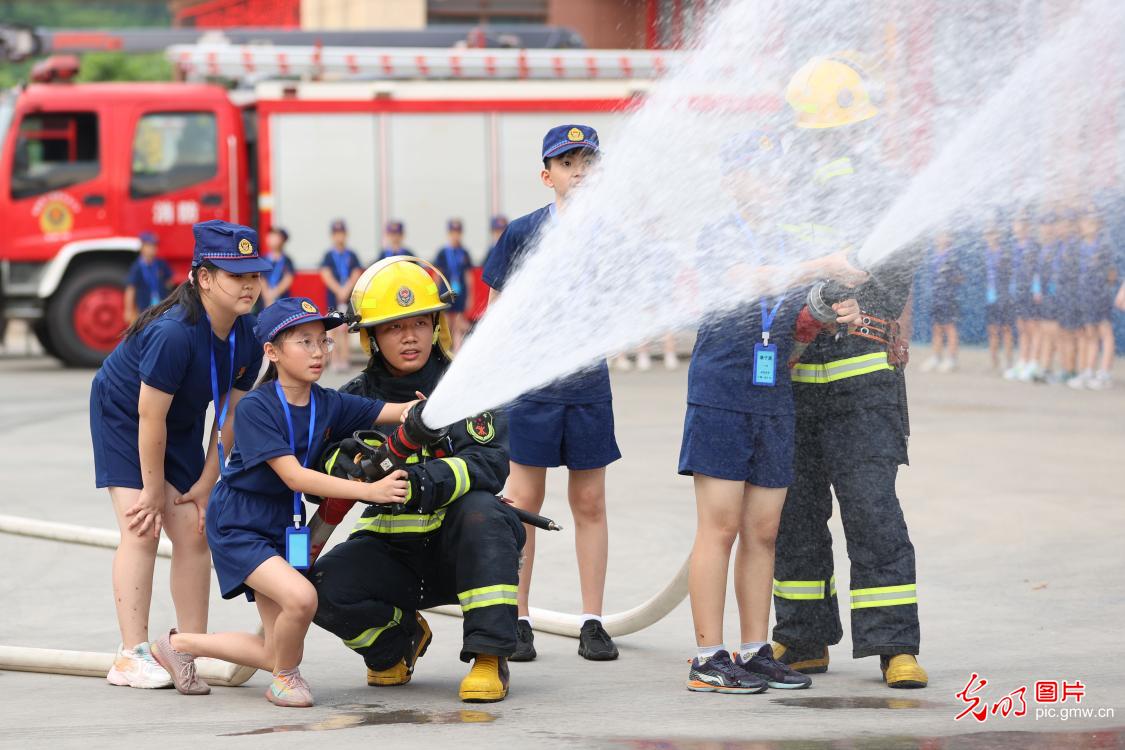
(185, 295)
(268, 376)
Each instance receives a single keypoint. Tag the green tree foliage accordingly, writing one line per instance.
(91, 14)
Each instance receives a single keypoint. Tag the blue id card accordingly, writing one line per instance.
(297, 547)
(990, 296)
(765, 364)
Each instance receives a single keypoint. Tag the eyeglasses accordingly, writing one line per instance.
(312, 347)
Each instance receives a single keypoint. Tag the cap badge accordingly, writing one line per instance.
(308, 307)
(244, 247)
(405, 296)
(575, 135)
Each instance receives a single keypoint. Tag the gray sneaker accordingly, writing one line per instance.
(180, 665)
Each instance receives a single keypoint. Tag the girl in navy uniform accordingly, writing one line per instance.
(945, 279)
(256, 508)
(1098, 281)
(279, 278)
(148, 280)
(1023, 254)
(147, 407)
(453, 260)
(339, 270)
(998, 310)
(738, 441)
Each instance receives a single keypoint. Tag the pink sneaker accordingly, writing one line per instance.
(180, 665)
(135, 667)
(289, 690)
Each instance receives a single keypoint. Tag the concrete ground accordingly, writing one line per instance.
(1014, 500)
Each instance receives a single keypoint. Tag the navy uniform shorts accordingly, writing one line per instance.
(740, 447)
(578, 436)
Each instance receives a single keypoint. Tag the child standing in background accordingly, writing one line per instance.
(945, 280)
(340, 269)
(148, 279)
(997, 298)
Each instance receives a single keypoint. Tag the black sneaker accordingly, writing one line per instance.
(525, 642)
(721, 675)
(777, 675)
(594, 643)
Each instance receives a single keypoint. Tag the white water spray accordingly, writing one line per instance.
(622, 263)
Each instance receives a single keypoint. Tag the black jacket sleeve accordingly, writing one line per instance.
(474, 458)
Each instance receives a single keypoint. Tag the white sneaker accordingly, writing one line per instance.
(1079, 381)
(930, 364)
(671, 361)
(135, 667)
(1100, 382)
(1027, 374)
(644, 361)
(1013, 372)
(947, 365)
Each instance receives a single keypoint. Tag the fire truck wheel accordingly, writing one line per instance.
(44, 336)
(86, 316)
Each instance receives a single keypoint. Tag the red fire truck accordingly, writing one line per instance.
(430, 134)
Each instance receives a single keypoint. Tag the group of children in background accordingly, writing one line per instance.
(1048, 283)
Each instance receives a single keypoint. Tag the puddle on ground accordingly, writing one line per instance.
(1109, 738)
(829, 703)
(369, 715)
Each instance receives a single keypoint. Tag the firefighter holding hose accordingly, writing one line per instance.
(851, 407)
(452, 542)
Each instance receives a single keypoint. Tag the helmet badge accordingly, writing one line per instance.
(405, 296)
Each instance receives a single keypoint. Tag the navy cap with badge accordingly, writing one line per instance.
(147, 238)
(454, 225)
(338, 225)
(499, 222)
(289, 312)
(394, 227)
(753, 147)
(231, 247)
(565, 138)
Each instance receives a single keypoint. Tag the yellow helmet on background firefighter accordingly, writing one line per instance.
(395, 288)
(830, 91)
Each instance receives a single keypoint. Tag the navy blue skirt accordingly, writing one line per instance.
(244, 530)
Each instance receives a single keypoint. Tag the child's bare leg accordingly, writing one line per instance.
(936, 334)
(1105, 333)
(994, 344)
(1006, 333)
(586, 491)
(133, 565)
(191, 563)
(238, 648)
(952, 341)
(753, 563)
(295, 597)
(718, 504)
(527, 486)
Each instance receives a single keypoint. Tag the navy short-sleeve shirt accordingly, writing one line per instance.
(722, 364)
(151, 281)
(341, 264)
(586, 387)
(174, 356)
(264, 434)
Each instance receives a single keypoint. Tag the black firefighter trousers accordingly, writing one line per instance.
(855, 452)
(370, 587)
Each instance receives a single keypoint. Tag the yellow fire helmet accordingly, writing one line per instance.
(395, 288)
(830, 91)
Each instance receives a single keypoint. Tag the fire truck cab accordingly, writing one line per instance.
(83, 170)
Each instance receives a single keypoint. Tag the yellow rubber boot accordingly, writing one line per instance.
(487, 681)
(401, 673)
(903, 671)
(805, 663)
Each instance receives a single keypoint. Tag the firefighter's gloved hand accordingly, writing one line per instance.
(343, 459)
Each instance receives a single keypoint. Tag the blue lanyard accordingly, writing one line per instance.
(343, 267)
(768, 316)
(220, 414)
(277, 272)
(293, 442)
(991, 259)
(152, 281)
(452, 262)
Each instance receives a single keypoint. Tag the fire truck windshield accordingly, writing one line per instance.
(7, 107)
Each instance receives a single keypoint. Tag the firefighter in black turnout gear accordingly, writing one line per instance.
(852, 425)
(453, 542)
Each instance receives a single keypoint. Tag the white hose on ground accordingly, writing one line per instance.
(92, 663)
(545, 620)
